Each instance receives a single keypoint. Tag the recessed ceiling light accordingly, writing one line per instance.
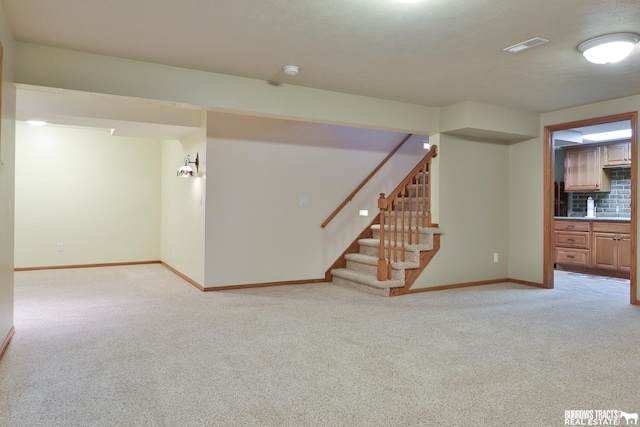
(609, 48)
(36, 122)
(608, 136)
(407, 1)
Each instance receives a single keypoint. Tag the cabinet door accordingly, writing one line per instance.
(617, 154)
(583, 169)
(603, 251)
(624, 252)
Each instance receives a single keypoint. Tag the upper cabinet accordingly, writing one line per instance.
(584, 169)
(617, 154)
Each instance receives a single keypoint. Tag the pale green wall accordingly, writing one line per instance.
(525, 201)
(46, 66)
(259, 168)
(97, 194)
(183, 207)
(473, 213)
(7, 169)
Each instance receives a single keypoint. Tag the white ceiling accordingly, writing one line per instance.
(436, 53)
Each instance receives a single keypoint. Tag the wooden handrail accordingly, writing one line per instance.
(363, 183)
(394, 207)
(433, 152)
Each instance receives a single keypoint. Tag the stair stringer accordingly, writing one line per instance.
(412, 274)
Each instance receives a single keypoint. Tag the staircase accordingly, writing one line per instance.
(390, 254)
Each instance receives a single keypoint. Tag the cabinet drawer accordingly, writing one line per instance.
(612, 227)
(570, 239)
(571, 225)
(572, 256)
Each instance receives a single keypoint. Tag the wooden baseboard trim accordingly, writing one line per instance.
(264, 285)
(466, 285)
(7, 340)
(183, 277)
(526, 283)
(63, 267)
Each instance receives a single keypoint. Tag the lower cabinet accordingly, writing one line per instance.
(611, 251)
(593, 246)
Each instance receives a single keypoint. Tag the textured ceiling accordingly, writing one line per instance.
(434, 53)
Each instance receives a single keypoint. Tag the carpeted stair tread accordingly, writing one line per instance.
(371, 260)
(425, 230)
(412, 248)
(366, 279)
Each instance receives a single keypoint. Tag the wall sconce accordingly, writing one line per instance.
(186, 171)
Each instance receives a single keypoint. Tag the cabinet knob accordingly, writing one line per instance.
(570, 256)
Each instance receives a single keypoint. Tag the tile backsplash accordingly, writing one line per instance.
(606, 202)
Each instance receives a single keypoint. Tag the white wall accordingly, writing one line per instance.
(258, 169)
(7, 168)
(97, 194)
(183, 207)
(472, 212)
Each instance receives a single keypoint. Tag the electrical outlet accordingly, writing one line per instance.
(495, 257)
(304, 201)
(60, 247)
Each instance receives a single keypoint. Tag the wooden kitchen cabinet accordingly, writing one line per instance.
(617, 154)
(572, 243)
(611, 246)
(593, 246)
(584, 171)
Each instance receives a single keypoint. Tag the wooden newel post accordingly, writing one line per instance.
(382, 262)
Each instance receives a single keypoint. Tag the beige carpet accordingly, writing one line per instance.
(137, 346)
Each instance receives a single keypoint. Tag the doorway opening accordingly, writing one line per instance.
(590, 207)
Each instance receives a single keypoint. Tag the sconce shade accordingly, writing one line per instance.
(186, 171)
(609, 48)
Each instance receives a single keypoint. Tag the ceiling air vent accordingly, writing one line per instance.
(525, 44)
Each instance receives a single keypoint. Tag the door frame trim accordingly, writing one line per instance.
(548, 230)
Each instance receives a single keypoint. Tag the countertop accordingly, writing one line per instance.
(599, 218)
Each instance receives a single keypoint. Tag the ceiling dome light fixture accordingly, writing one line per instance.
(609, 48)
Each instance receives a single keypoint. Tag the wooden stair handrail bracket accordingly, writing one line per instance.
(393, 209)
(364, 182)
